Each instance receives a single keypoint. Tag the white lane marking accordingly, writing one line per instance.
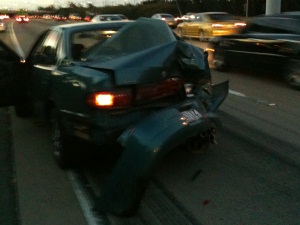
(15, 41)
(84, 200)
(265, 102)
(236, 93)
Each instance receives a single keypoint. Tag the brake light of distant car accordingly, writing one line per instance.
(26, 19)
(18, 19)
(240, 24)
(110, 99)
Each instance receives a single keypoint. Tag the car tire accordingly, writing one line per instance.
(219, 61)
(63, 145)
(23, 108)
(180, 33)
(202, 36)
(292, 73)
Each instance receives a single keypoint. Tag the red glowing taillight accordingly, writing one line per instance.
(159, 90)
(124, 98)
(240, 24)
(110, 99)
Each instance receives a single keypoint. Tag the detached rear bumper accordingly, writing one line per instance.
(145, 145)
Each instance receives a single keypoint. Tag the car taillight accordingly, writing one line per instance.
(159, 90)
(123, 98)
(110, 99)
(240, 24)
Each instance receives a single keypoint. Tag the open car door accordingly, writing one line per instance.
(11, 76)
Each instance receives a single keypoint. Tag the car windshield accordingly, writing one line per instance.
(221, 16)
(166, 16)
(130, 39)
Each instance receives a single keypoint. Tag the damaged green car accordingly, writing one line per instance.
(116, 82)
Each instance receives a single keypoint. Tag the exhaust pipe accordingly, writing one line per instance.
(200, 143)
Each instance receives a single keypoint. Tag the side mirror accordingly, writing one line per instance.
(47, 57)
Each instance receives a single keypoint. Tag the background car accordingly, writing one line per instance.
(75, 17)
(2, 25)
(60, 18)
(168, 18)
(106, 17)
(209, 24)
(267, 43)
(22, 19)
(123, 16)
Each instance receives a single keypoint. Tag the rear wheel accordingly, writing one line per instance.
(201, 36)
(219, 62)
(63, 144)
(23, 108)
(292, 73)
(180, 33)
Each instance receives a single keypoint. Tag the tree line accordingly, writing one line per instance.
(175, 7)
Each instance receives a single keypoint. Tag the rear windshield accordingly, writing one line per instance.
(104, 45)
(166, 16)
(221, 16)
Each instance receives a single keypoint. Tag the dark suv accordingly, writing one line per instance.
(267, 43)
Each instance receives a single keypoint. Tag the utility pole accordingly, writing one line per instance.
(247, 8)
(273, 6)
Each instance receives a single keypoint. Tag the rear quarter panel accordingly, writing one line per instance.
(70, 90)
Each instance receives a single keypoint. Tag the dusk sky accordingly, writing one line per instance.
(34, 4)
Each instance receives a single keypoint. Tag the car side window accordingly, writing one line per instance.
(82, 43)
(46, 51)
(198, 18)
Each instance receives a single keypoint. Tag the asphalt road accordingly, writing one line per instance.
(252, 176)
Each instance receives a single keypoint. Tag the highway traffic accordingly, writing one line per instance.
(251, 176)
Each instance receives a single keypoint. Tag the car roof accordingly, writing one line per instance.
(284, 23)
(208, 13)
(81, 25)
(107, 15)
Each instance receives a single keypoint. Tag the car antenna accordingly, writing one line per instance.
(180, 13)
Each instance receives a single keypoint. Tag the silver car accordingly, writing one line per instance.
(168, 18)
(106, 17)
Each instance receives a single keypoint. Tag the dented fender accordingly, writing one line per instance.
(145, 145)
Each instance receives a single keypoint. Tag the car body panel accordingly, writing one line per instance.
(165, 130)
